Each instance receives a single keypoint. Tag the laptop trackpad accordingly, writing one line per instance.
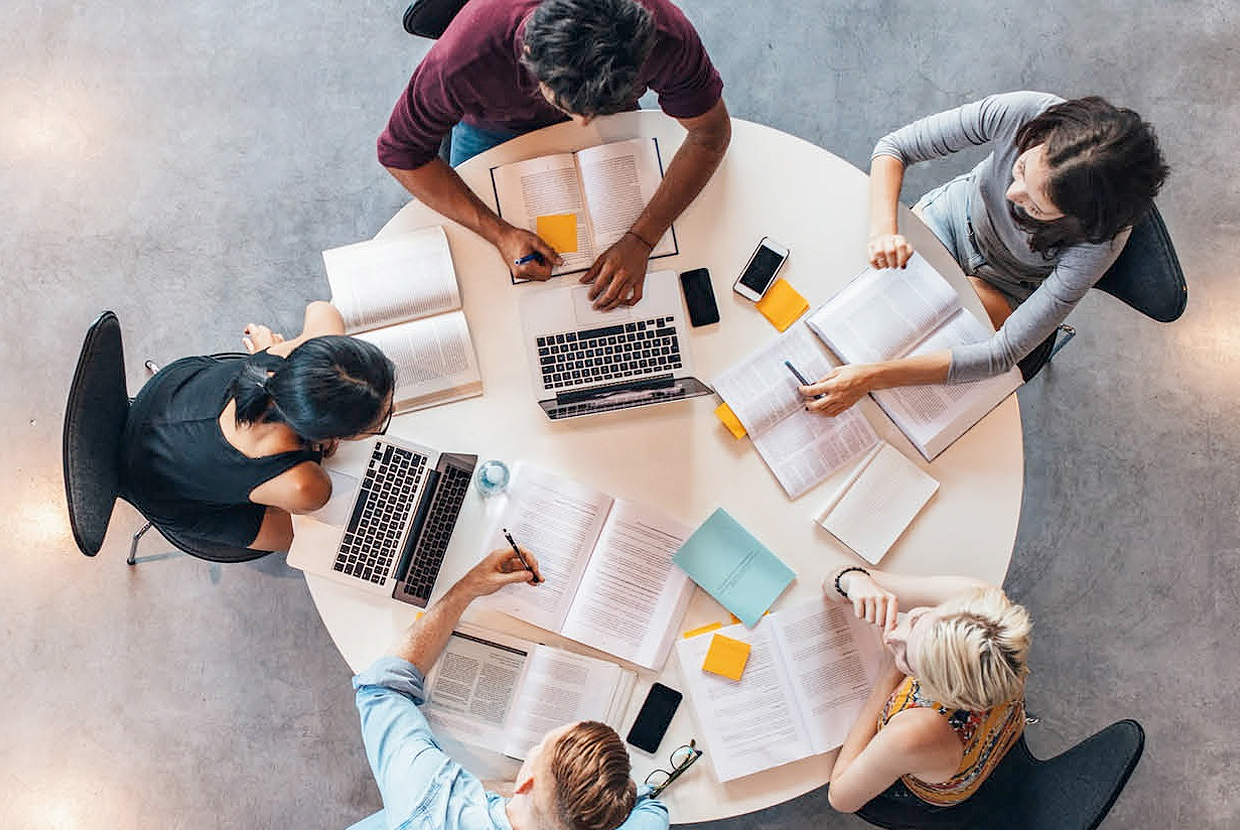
(588, 317)
(336, 511)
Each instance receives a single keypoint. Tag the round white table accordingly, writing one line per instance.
(679, 456)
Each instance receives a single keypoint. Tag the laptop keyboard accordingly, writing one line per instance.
(436, 533)
(385, 499)
(609, 354)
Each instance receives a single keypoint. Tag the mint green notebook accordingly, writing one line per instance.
(734, 567)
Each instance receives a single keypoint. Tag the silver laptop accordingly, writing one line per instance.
(585, 362)
(401, 512)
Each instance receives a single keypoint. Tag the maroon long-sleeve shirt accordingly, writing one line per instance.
(473, 73)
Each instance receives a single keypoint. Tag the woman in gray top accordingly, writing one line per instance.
(1034, 225)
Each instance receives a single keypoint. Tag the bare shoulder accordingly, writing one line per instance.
(931, 749)
(301, 489)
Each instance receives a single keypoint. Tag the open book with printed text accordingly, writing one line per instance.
(503, 693)
(609, 581)
(401, 294)
(810, 669)
(583, 201)
(889, 313)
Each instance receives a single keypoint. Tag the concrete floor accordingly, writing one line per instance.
(185, 165)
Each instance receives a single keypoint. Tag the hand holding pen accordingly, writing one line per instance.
(521, 556)
(527, 255)
(800, 377)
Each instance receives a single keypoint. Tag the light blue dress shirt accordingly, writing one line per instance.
(422, 788)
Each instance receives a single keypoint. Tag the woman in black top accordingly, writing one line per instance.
(225, 449)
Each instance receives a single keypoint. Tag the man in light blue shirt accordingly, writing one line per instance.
(576, 778)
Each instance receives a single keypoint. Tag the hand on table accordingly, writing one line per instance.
(619, 273)
(889, 250)
(498, 568)
(517, 243)
(840, 388)
(256, 337)
(871, 602)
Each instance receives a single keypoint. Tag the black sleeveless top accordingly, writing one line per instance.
(177, 466)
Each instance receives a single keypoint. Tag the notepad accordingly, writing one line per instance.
(878, 502)
(559, 230)
(782, 305)
(733, 567)
(726, 657)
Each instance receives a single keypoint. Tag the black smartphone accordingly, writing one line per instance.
(654, 717)
(699, 297)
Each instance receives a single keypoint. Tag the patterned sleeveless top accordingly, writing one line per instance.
(986, 737)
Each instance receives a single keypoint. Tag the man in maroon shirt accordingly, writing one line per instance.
(505, 67)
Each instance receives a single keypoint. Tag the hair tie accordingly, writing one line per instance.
(267, 361)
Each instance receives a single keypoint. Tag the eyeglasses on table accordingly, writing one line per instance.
(682, 758)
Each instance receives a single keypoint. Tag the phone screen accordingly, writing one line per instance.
(654, 718)
(699, 297)
(761, 269)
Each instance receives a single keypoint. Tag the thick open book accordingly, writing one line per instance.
(607, 566)
(898, 312)
(605, 188)
(877, 502)
(810, 670)
(401, 294)
(504, 693)
(801, 448)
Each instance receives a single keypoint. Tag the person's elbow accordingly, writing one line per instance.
(843, 801)
(712, 131)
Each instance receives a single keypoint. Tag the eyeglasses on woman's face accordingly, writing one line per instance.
(682, 758)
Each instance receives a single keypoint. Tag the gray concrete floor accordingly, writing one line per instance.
(185, 164)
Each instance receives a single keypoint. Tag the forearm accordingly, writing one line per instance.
(688, 172)
(914, 591)
(886, 179)
(424, 640)
(866, 726)
(919, 370)
(321, 319)
(438, 186)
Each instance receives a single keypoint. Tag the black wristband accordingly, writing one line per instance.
(846, 570)
(640, 239)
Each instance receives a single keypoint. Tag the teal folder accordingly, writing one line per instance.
(734, 567)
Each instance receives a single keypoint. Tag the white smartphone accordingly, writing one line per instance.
(759, 273)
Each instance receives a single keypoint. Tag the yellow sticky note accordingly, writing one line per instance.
(726, 657)
(704, 629)
(724, 413)
(782, 305)
(559, 230)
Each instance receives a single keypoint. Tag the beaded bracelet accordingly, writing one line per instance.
(846, 570)
(639, 238)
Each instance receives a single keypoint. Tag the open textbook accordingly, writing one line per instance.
(898, 312)
(811, 667)
(801, 448)
(400, 293)
(504, 693)
(609, 581)
(877, 502)
(599, 192)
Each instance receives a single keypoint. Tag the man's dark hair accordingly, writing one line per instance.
(589, 52)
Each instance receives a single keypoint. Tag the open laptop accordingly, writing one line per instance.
(401, 512)
(585, 361)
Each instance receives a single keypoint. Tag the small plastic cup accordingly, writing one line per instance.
(491, 478)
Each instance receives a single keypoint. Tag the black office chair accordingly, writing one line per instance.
(429, 18)
(1072, 791)
(91, 450)
(1146, 276)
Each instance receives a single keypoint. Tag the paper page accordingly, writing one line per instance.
(556, 519)
(747, 725)
(807, 447)
(618, 179)
(434, 357)
(472, 686)
(559, 688)
(883, 313)
(880, 505)
(760, 390)
(545, 186)
(631, 598)
(934, 416)
(380, 282)
(833, 660)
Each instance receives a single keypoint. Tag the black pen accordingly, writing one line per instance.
(800, 378)
(520, 555)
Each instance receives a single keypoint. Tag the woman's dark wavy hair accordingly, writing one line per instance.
(1105, 169)
(589, 52)
(328, 387)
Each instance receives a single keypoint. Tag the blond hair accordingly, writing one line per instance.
(974, 656)
(591, 774)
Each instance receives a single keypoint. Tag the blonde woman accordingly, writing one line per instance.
(952, 702)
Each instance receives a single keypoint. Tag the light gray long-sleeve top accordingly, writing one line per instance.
(1060, 283)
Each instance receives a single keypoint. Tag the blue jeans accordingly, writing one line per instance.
(468, 141)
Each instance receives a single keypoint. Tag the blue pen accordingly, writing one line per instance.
(800, 378)
(528, 258)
